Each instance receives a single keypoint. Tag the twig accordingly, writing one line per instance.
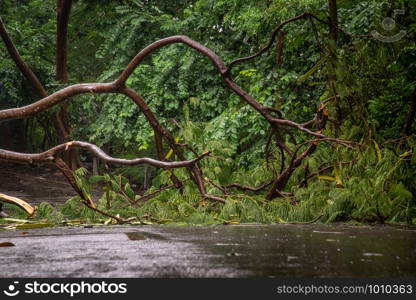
(118, 219)
(303, 183)
(249, 188)
(214, 198)
(86, 199)
(222, 189)
(148, 196)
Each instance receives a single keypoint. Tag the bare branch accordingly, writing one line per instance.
(214, 198)
(54, 99)
(69, 175)
(50, 155)
(267, 47)
(303, 183)
(216, 60)
(249, 188)
(148, 196)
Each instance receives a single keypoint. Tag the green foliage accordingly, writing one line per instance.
(374, 187)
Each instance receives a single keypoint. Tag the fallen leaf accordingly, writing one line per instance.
(136, 236)
(6, 244)
(29, 226)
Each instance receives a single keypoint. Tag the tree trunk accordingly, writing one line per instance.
(63, 11)
(333, 19)
(331, 66)
(71, 157)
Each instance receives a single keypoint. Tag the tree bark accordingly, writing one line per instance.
(62, 118)
(63, 11)
(331, 67)
(333, 19)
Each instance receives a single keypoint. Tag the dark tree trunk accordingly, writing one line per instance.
(332, 77)
(63, 11)
(71, 157)
(333, 19)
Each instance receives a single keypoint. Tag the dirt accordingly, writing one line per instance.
(34, 184)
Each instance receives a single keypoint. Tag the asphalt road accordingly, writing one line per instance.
(215, 251)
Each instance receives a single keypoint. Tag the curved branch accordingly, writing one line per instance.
(216, 60)
(118, 86)
(278, 28)
(55, 98)
(267, 47)
(298, 126)
(50, 155)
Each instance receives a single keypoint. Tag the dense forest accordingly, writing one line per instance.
(214, 111)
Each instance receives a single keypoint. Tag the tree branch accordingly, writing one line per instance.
(50, 155)
(249, 188)
(303, 183)
(267, 47)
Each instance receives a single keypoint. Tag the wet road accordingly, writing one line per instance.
(215, 251)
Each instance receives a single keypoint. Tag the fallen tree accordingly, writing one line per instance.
(291, 158)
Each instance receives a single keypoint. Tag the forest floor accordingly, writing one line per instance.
(34, 184)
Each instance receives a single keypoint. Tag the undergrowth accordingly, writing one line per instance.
(374, 185)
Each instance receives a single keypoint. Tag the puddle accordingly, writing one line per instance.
(136, 236)
(373, 254)
(141, 236)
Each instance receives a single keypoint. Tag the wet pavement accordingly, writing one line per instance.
(210, 251)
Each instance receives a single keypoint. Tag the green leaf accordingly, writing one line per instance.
(314, 69)
(129, 192)
(30, 226)
(96, 178)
